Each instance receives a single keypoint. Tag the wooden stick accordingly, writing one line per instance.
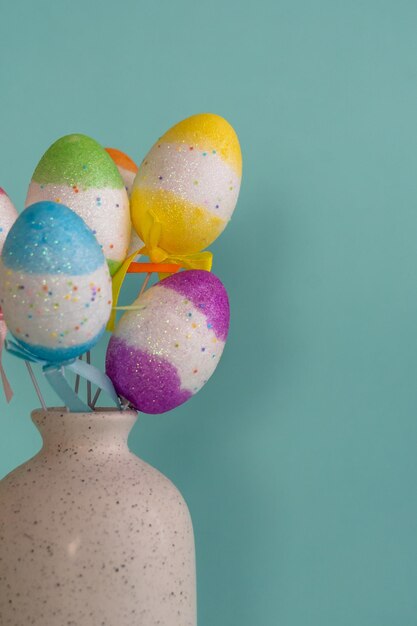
(77, 379)
(145, 283)
(88, 382)
(35, 384)
(96, 397)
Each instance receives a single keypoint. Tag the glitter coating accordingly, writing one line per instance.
(58, 355)
(163, 353)
(55, 287)
(203, 181)
(186, 228)
(205, 131)
(50, 238)
(77, 172)
(8, 216)
(77, 160)
(207, 294)
(190, 182)
(155, 386)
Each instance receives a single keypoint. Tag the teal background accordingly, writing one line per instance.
(298, 460)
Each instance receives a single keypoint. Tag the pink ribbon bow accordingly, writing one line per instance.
(8, 392)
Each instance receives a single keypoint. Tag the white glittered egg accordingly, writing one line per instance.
(163, 353)
(55, 286)
(8, 216)
(189, 183)
(77, 172)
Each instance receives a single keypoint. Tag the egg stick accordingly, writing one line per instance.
(77, 379)
(35, 384)
(97, 394)
(145, 283)
(88, 382)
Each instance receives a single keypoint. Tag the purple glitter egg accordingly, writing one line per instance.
(163, 353)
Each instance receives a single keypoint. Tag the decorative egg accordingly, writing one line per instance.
(77, 172)
(8, 216)
(126, 166)
(127, 170)
(189, 182)
(163, 353)
(55, 286)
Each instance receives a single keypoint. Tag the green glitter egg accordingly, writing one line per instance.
(77, 172)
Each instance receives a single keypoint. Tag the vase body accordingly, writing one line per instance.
(90, 535)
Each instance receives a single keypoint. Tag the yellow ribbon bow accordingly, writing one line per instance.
(152, 230)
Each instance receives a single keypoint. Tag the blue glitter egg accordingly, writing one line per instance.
(55, 286)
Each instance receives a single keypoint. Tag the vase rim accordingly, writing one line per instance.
(109, 416)
(108, 426)
(96, 412)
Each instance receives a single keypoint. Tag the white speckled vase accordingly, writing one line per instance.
(90, 535)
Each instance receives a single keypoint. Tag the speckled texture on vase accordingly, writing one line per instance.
(90, 535)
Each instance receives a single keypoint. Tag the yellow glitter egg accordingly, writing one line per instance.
(189, 185)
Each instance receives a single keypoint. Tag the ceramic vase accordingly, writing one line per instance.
(90, 535)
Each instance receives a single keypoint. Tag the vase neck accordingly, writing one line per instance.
(99, 429)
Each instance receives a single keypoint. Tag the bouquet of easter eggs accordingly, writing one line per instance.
(91, 217)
